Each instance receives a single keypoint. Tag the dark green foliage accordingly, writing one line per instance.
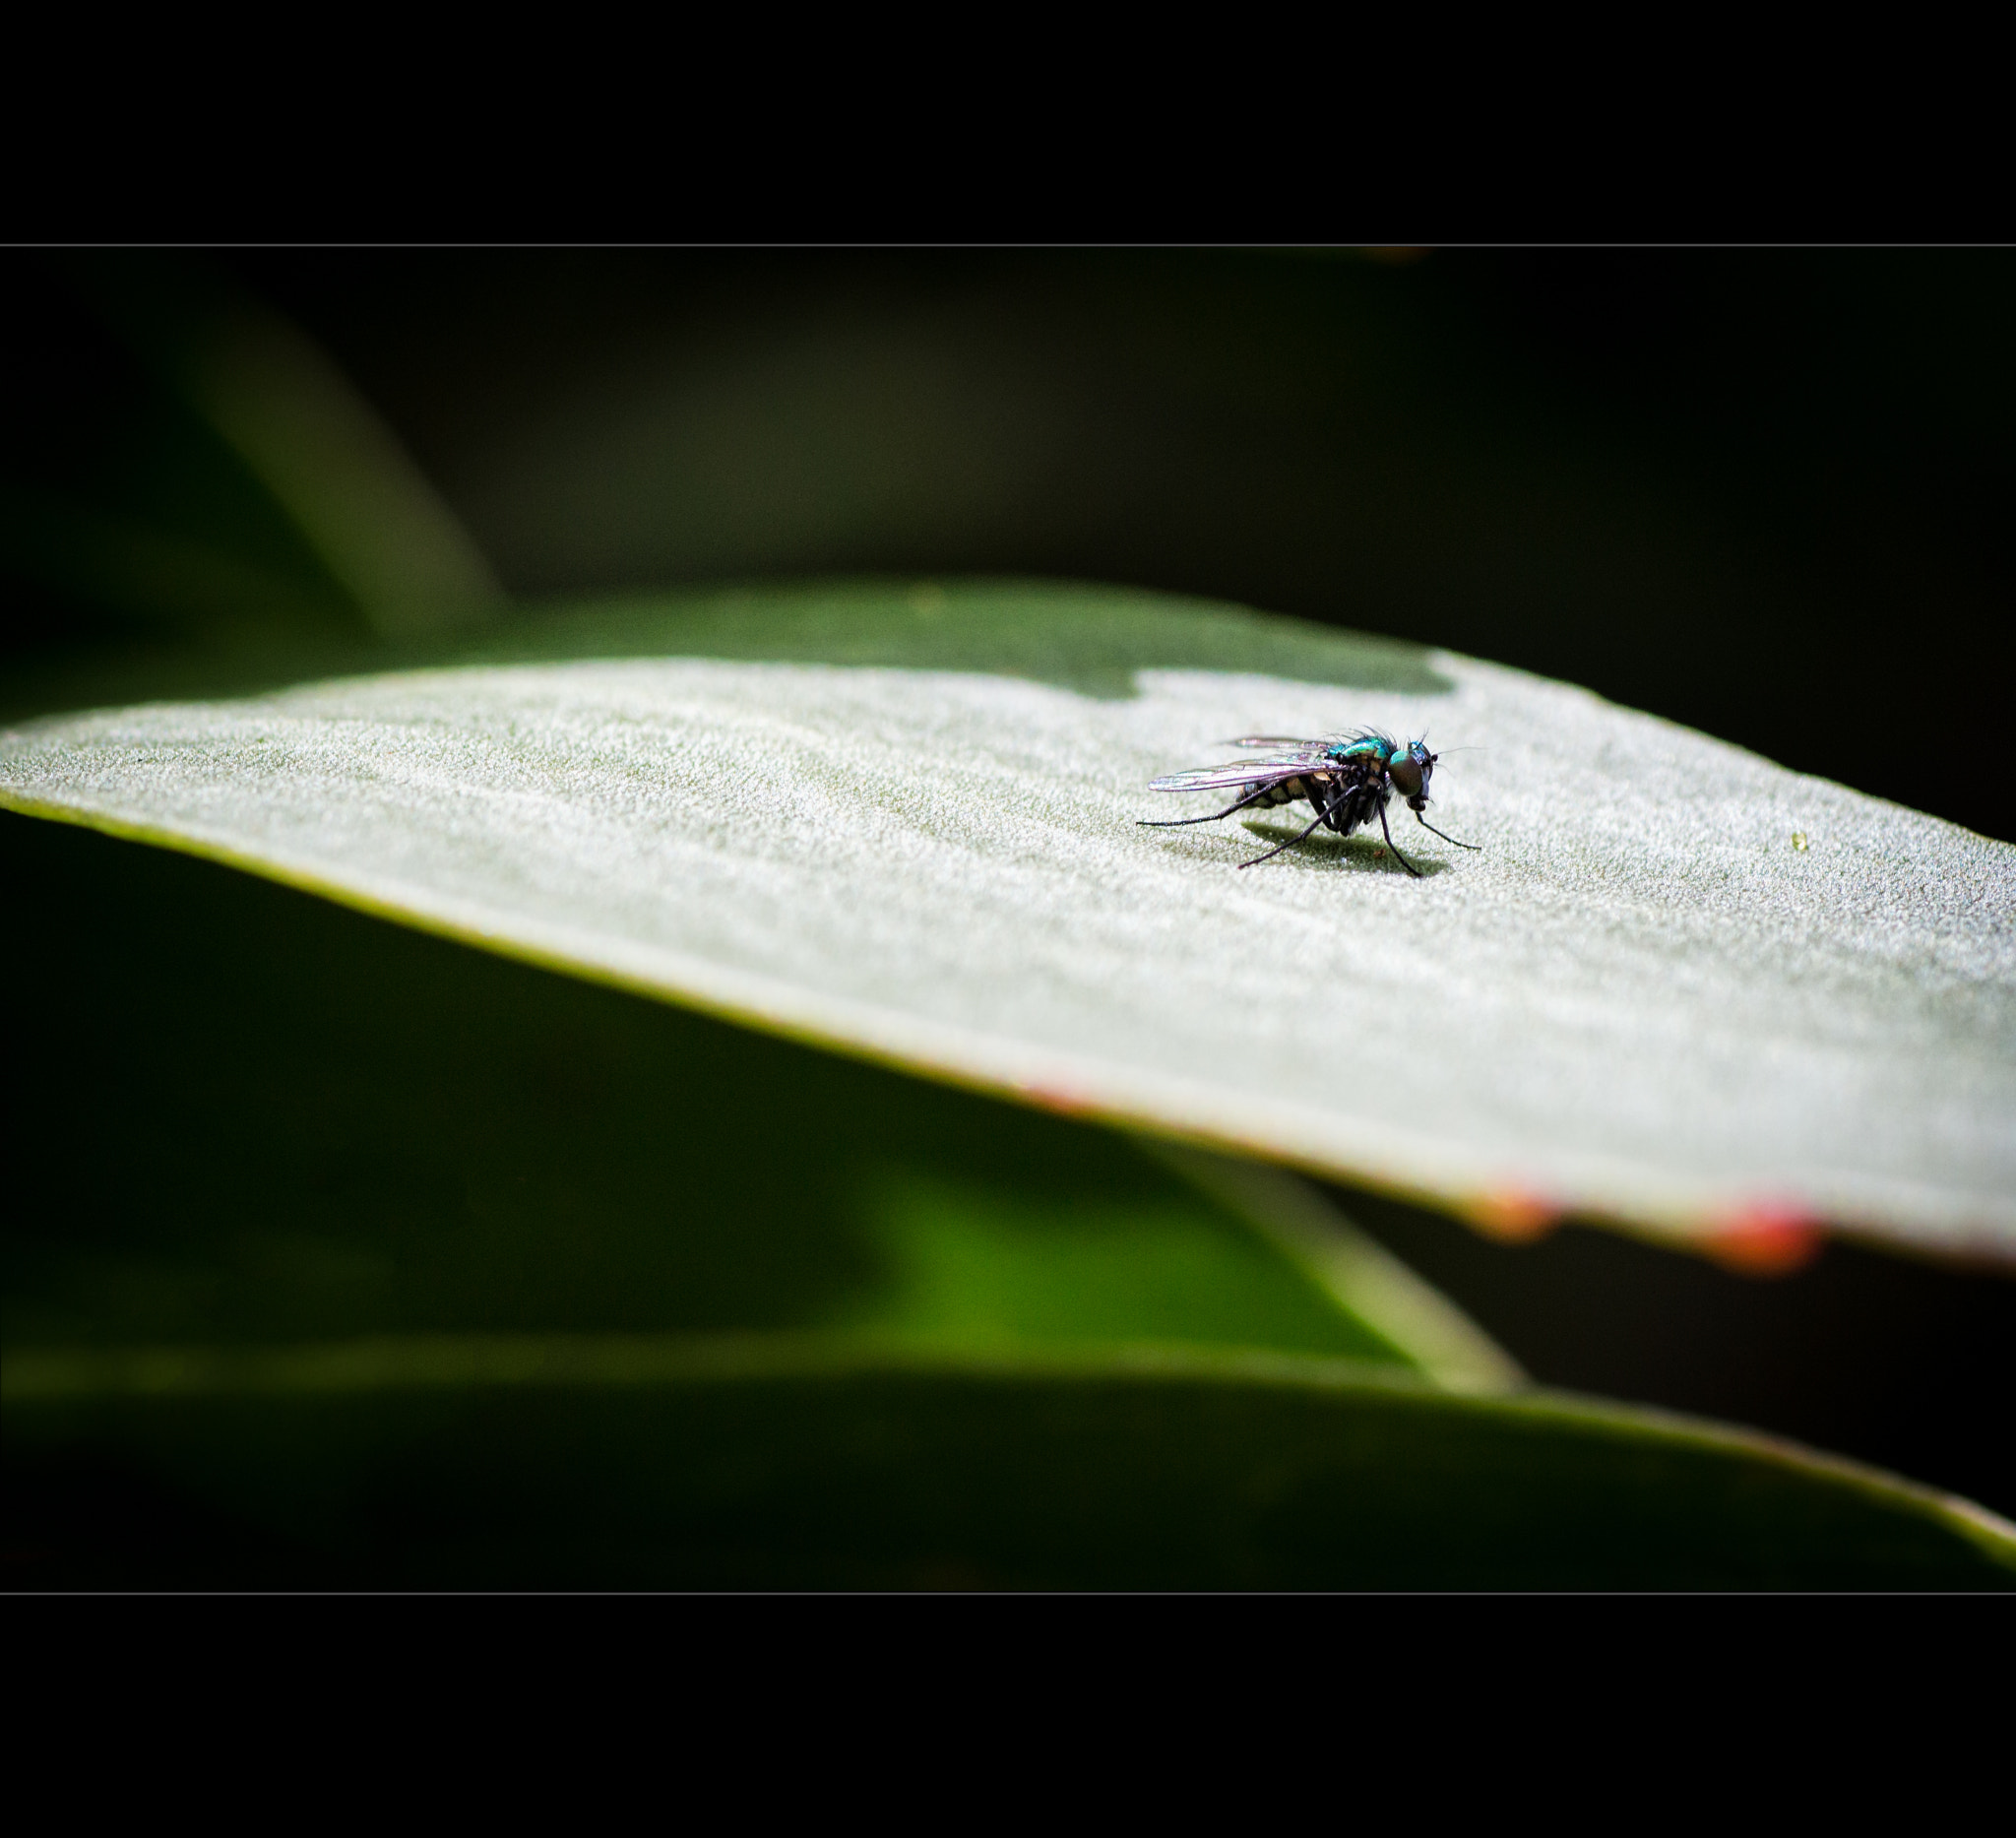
(954, 1476)
(480, 1276)
(458, 1273)
(249, 1117)
(1089, 639)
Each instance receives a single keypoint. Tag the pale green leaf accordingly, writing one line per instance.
(1677, 986)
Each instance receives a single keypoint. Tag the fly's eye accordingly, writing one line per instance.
(1406, 773)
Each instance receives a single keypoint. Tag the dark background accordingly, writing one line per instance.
(1761, 492)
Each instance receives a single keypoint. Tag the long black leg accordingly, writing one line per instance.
(1395, 847)
(1289, 844)
(1176, 823)
(1432, 831)
(1338, 815)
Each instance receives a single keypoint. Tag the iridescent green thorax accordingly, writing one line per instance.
(1366, 746)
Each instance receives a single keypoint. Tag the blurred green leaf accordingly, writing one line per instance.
(255, 1118)
(243, 502)
(1094, 640)
(217, 593)
(339, 1254)
(777, 1462)
(325, 456)
(1679, 986)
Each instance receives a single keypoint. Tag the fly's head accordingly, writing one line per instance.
(1410, 769)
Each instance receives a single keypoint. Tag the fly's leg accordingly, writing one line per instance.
(1289, 844)
(1395, 847)
(1432, 831)
(1176, 823)
(1348, 809)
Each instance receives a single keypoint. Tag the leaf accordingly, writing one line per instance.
(339, 1254)
(772, 1461)
(255, 1118)
(1678, 987)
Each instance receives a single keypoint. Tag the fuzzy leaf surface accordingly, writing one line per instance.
(1679, 986)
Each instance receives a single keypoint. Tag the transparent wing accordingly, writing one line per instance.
(1314, 749)
(1249, 773)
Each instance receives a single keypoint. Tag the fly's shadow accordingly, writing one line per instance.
(1360, 854)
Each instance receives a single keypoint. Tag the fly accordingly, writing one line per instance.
(1347, 780)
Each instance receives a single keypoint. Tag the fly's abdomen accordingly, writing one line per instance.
(1285, 793)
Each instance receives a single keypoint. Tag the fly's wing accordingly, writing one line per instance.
(1249, 773)
(1331, 746)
